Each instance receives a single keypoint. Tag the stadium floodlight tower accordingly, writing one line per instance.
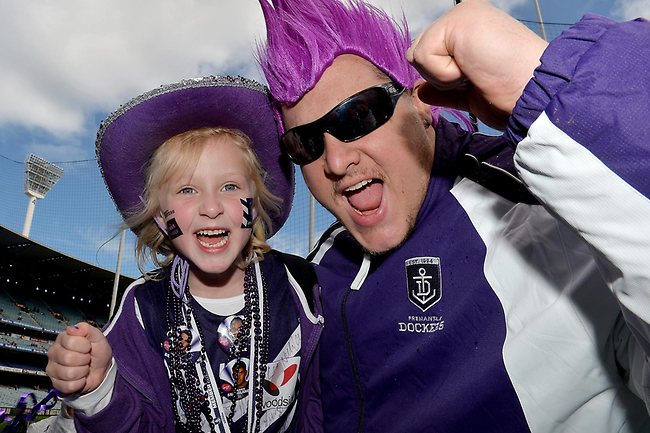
(40, 178)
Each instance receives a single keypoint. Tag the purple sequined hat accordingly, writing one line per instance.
(129, 136)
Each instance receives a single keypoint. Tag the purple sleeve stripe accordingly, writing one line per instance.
(594, 85)
(556, 70)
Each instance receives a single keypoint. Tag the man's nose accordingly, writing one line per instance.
(339, 155)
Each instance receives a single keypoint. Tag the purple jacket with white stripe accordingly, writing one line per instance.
(498, 314)
(141, 398)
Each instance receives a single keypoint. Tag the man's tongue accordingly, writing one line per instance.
(367, 198)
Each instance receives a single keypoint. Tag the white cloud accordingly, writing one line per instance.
(420, 14)
(65, 58)
(509, 5)
(630, 9)
(72, 150)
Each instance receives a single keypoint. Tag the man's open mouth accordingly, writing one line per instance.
(365, 196)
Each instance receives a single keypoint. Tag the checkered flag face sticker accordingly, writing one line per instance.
(248, 217)
(423, 281)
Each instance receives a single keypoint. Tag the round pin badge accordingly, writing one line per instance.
(228, 331)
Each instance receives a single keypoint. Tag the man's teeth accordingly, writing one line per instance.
(358, 185)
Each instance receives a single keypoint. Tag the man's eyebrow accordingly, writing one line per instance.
(381, 74)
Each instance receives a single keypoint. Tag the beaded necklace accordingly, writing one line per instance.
(197, 405)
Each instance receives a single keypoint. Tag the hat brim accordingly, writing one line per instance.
(129, 136)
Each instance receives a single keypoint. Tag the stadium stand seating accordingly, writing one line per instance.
(31, 317)
(9, 395)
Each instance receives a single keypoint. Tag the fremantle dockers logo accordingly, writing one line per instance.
(423, 281)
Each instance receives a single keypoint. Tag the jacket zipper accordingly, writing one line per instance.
(353, 365)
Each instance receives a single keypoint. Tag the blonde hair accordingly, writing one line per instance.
(179, 154)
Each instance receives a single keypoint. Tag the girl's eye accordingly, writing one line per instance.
(186, 190)
(230, 187)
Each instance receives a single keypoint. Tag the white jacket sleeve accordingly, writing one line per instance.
(583, 149)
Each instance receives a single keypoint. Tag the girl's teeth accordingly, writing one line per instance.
(211, 232)
(222, 241)
(212, 238)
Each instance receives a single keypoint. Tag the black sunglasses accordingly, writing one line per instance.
(355, 117)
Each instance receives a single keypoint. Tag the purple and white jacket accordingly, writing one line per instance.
(140, 400)
(499, 315)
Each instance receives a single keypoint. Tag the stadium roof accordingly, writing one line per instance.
(31, 262)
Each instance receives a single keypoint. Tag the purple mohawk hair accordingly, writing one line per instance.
(305, 36)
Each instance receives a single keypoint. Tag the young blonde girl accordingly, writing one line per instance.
(220, 335)
(180, 154)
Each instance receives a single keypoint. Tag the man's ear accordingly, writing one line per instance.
(423, 109)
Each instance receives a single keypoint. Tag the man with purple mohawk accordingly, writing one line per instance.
(459, 304)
